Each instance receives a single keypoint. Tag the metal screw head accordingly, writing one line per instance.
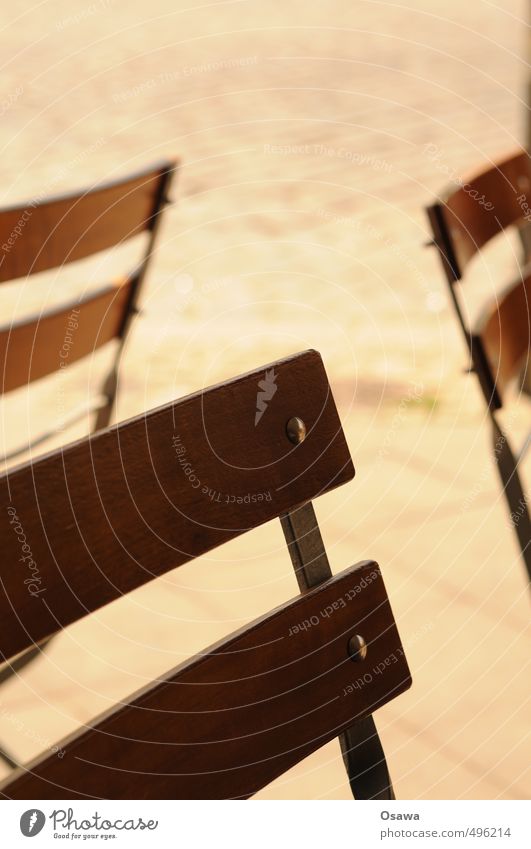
(296, 430)
(357, 648)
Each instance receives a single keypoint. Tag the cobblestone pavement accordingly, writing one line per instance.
(311, 136)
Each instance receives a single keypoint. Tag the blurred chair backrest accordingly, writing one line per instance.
(502, 335)
(121, 507)
(467, 217)
(463, 222)
(48, 233)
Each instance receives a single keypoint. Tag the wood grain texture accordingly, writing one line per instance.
(467, 218)
(44, 234)
(234, 718)
(40, 346)
(505, 332)
(111, 512)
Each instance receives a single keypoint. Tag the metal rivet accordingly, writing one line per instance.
(296, 430)
(357, 648)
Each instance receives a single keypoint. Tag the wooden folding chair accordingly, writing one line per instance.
(121, 507)
(48, 233)
(45, 234)
(463, 222)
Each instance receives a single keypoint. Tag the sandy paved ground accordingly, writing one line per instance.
(299, 223)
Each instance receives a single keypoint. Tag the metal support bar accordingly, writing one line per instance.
(517, 501)
(306, 547)
(111, 384)
(109, 392)
(361, 748)
(524, 449)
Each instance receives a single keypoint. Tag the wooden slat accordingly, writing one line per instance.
(44, 234)
(234, 718)
(113, 511)
(40, 346)
(486, 204)
(505, 331)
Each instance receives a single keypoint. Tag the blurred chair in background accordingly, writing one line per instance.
(47, 234)
(463, 222)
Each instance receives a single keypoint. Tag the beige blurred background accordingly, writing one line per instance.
(299, 223)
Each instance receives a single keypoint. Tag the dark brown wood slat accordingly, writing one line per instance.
(486, 204)
(40, 346)
(111, 512)
(40, 235)
(504, 330)
(230, 721)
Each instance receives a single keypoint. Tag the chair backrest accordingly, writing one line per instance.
(48, 233)
(87, 524)
(43, 344)
(466, 218)
(463, 222)
(503, 336)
